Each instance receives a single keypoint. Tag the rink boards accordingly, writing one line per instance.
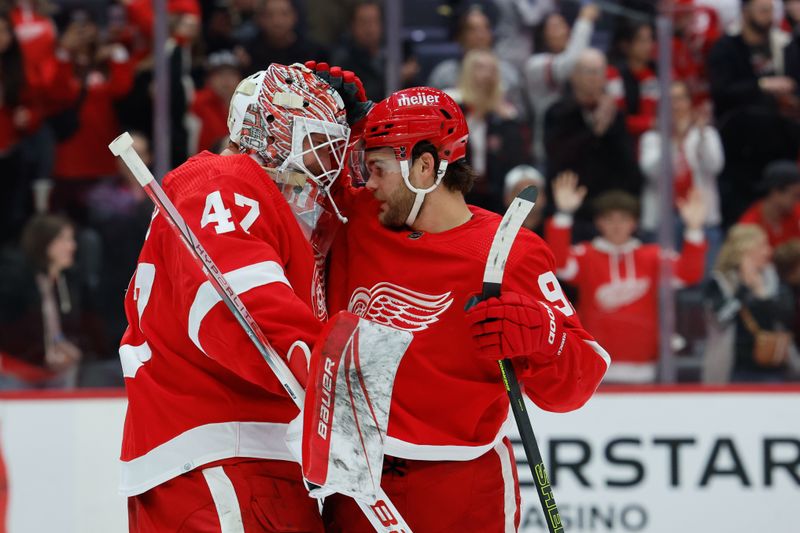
(632, 460)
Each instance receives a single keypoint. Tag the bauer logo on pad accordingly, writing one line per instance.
(346, 410)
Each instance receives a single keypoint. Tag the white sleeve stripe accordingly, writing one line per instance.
(241, 281)
(600, 351)
(133, 357)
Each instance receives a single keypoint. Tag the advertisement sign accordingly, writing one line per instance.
(670, 462)
(631, 460)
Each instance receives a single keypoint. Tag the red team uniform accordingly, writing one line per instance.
(199, 393)
(449, 467)
(203, 446)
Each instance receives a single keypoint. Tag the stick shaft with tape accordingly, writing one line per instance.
(504, 238)
(383, 515)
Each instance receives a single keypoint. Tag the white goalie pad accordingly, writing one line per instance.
(346, 410)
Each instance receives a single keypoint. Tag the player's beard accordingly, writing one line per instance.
(398, 206)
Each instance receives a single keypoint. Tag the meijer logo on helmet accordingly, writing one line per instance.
(418, 99)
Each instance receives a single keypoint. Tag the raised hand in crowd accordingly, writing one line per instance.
(604, 114)
(693, 209)
(590, 12)
(567, 195)
(107, 52)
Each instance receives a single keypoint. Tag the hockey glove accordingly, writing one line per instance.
(516, 325)
(349, 87)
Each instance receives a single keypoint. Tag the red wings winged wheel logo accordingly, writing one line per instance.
(398, 307)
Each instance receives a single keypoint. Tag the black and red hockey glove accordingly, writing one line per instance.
(516, 325)
(349, 87)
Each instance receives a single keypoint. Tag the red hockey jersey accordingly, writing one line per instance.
(198, 391)
(448, 404)
(618, 288)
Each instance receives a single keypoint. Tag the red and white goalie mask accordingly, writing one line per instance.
(401, 121)
(295, 125)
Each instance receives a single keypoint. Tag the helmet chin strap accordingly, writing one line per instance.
(420, 193)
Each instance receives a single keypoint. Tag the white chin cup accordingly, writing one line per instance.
(420, 193)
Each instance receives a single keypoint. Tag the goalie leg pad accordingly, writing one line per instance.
(346, 412)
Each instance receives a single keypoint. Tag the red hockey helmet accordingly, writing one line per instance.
(418, 114)
(406, 118)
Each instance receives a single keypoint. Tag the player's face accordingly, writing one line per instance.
(320, 158)
(616, 226)
(386, 183)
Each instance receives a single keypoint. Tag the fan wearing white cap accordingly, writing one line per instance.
(516, 180)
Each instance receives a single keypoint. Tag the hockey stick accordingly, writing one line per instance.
(492, 281)
(383, 515)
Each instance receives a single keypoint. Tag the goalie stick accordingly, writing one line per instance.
(492, 282)
(383, 515)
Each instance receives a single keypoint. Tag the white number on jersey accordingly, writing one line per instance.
(215, 212)
(251, 215)
(143, 285)
(551, 290)
(133, 357)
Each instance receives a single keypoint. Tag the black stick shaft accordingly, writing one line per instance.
(532, 452)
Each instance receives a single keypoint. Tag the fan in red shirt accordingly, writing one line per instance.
(633, 82)
(203, 445)
(410, 257)
(210, 104)
(19, 116)
(617, 276)
(778, 213)
(37, 38)
(696, 29)
(98, 75)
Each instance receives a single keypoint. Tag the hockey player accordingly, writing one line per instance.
(203, 446)
(411, 256)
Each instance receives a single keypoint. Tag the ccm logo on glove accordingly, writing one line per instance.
(516, 325)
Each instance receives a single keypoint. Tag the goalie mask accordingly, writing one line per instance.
(294, 124)
(404, 119)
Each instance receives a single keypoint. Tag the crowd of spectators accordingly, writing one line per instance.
(561, 94)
